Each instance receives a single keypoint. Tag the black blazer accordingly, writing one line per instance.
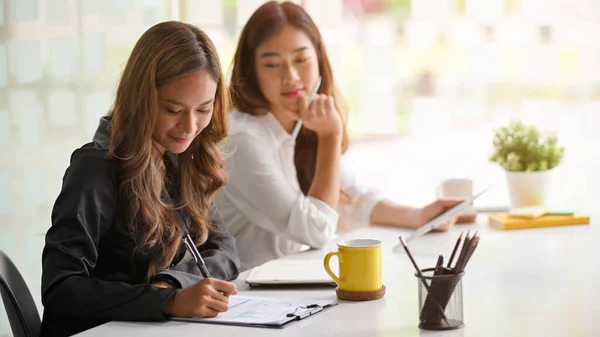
(91, 272)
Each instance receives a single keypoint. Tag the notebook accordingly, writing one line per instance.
(291, 272)
(532, 212)
(264, 312)
(504, 221)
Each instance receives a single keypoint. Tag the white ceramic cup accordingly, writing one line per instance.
(457, 188)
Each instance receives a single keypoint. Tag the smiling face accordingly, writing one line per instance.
(286, 66)
(185, 109)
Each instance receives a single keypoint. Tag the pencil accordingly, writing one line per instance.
(463, 251)
(455, 249)
(473, 246)
(423, 280)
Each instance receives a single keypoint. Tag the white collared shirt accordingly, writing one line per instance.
(262, 204)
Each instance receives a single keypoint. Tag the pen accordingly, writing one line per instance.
(190, 245)
(298, 125)
(439, 263)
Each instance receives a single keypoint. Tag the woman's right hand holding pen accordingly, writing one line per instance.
(206, 298)
(320, 115)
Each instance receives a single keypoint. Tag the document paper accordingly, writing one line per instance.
(249, 310)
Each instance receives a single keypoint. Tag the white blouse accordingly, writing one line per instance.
(262, 204)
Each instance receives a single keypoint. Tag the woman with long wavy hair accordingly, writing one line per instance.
(114, 250)
(286, 192)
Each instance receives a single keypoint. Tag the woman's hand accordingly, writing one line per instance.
(206, 298)
(320, 115)
(434, 209)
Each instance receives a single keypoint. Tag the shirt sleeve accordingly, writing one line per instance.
(82, 213)
(218, 252)
(258, 187)
(357, 201)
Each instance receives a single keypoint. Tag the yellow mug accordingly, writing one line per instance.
(360, 265)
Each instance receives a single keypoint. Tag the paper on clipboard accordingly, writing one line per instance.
(447, 215)
(264, 311)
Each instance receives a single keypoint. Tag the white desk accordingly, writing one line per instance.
(539, 282)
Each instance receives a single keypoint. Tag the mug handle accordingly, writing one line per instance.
(328, 268)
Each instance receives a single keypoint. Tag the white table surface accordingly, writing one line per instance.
(537, 282)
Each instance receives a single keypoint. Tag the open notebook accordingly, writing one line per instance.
(291, 272)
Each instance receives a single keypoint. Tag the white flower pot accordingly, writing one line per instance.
(528, 188)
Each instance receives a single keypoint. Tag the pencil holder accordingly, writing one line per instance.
(443, 294)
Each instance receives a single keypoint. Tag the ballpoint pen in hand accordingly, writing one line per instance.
(298, 125)
(190, 245)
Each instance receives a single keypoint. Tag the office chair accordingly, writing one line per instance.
(21, 310)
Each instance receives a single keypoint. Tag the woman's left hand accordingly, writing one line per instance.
(436, 208)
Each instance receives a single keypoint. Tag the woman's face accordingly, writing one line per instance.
(185, 109)
(287, 67)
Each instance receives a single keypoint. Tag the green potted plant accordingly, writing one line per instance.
(528, 157)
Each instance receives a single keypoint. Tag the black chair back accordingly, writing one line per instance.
(21, 310)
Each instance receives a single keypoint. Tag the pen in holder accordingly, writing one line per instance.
(444, 288)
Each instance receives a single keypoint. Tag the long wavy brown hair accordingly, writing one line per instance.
(267, 20)
(166, 52)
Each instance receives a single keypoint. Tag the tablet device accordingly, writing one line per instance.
(447, 215)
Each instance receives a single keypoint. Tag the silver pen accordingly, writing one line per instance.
(298, 125)
(190, 245)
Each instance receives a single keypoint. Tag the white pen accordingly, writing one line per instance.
(298, 125)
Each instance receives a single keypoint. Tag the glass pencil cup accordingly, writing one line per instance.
(441, 301)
